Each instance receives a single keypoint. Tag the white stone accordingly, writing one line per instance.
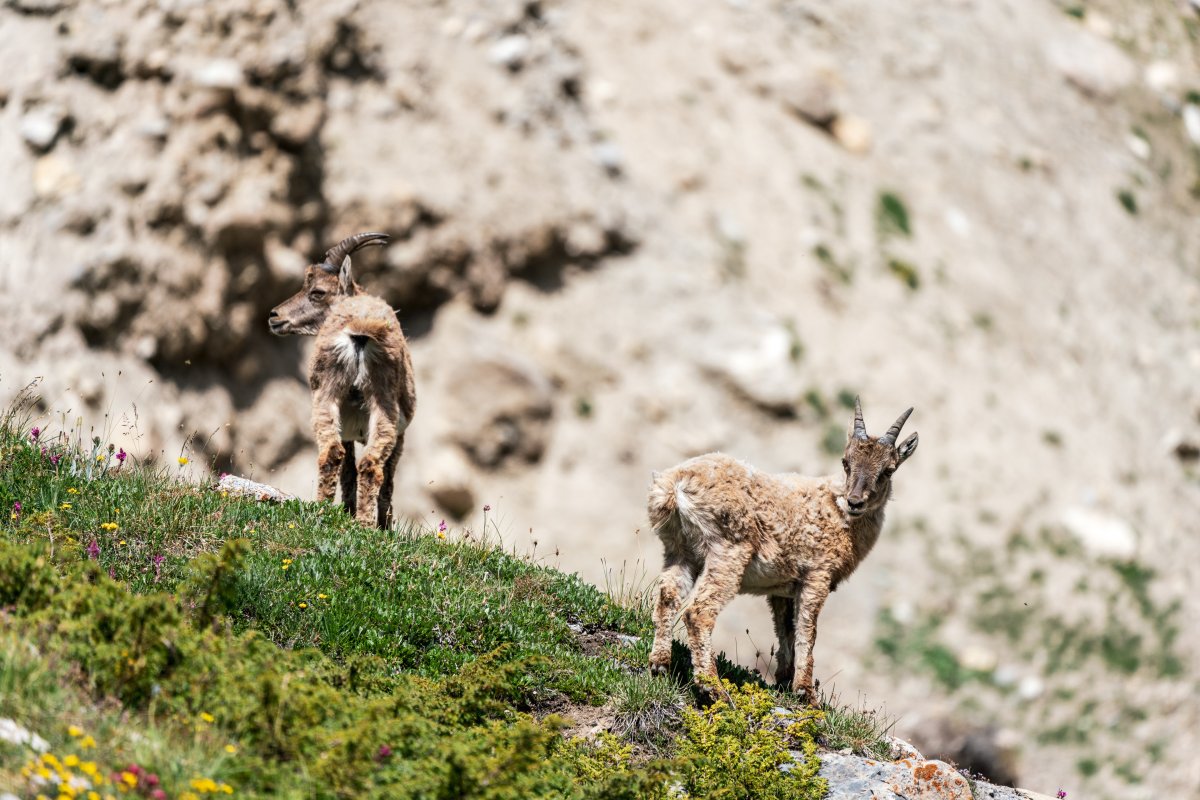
(1191, 122)
(1102, 535)
(40, 127)
(1161, 76)
(1030, 687)
(510, 51)
(853, 133)
(977, 658)
(1138, 146)
(220, 73)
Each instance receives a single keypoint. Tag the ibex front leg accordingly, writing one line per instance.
(381, 443)
(327, 428)
(809, 602)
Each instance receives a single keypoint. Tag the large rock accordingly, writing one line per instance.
(498, 409)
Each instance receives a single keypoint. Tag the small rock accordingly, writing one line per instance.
(608, 156)
(40, 127)
(1161, 76)
(243, 487)
(510, 51)
(1030, 687)
(853, 133)
(153, 126)
(627, 640)
(1191, 123)
(977, 659)
(1094, 66)
(1102, 535)
(449, 483)
(220, 73)
(812, 96)
(53, 176)
(1138, 146)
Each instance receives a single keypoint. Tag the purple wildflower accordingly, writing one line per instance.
(121, 455)
(158, 560)
(442, 526)
(383, 753)
(1061, 794)
(487, 507)
(35, 433)
(54, 457)
(93, 551)
(16, 510)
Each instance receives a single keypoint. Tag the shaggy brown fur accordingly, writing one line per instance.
(361, 378)
(728, 529)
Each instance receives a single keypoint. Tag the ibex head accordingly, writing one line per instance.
(869, 463)
(324, 283)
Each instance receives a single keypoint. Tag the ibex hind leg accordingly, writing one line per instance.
(783, 611)
(349, 479)
(387, 488)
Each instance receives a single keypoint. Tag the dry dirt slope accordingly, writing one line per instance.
(627, 234)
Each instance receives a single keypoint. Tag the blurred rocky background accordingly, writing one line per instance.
(627, 233)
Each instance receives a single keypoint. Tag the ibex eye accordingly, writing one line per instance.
(845, 465)
(317, 295)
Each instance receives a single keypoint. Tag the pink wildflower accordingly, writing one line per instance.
(121, 455)
(1061, 794)
(35, 433)
(93, 550)
(384, 753)
(158, 560)
(442, 526)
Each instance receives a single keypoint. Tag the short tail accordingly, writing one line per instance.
(663, 504)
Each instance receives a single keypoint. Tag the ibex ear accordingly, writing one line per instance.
(907, 448)
(345, 277)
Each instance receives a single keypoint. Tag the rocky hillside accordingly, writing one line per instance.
(628, 234)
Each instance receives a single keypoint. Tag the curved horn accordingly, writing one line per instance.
(335, 254)
(894, 431)
(860, 427)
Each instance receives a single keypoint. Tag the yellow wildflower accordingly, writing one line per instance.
(291, 526)
(88, 768)
(65, 506)
(93, 796)
(129, 779)
(322, 596)
(100, 457)
(71, 761)
(42, 773)
(204, 785)
(50, 758)
(121, 542)
(116, 511)
(188, 796)
(230, 749)
(72, 490)
(226, 788)
(183, 460)
(74, 731)
(304, 605)
(109, 526)
(87, 742)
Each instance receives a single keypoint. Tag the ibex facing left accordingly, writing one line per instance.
(361, 378)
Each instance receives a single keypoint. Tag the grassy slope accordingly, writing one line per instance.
(281, 650)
